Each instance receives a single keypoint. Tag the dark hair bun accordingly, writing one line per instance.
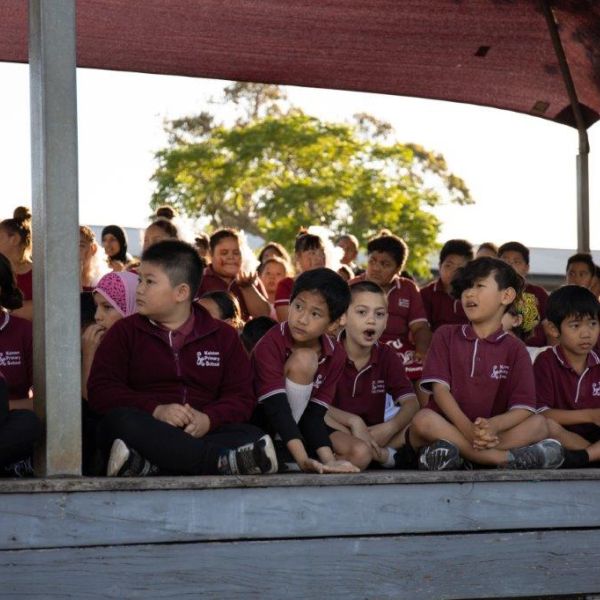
(166, 212)
(12, 299)
(22, 213)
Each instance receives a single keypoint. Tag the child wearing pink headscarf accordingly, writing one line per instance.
(114, 297)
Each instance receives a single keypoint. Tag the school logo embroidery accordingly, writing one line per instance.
(10, 358)
(596, 389)
(318, 381)
(499, 372)
(378, 386)
(208, 358)
(404, 303)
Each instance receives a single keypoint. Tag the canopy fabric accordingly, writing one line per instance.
(489, 52)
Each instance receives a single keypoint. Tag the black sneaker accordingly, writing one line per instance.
(547, 454)
(126, 462)
(252, 459)
(440, 456)
(21, 469)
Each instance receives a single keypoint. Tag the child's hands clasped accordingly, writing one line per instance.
(189, 419)
(485, 435)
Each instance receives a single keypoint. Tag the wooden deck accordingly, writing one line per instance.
(413, 535)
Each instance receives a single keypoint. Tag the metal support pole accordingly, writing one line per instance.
(583, 187)
(56, 343)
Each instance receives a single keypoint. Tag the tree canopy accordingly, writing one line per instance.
(276, 169)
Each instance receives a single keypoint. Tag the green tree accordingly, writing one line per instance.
(277, 169)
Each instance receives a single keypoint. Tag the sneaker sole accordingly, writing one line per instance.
(270, 454)
(119, 453)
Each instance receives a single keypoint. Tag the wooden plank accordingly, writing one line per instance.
(90, 484)
(106, 518)
(411, 567)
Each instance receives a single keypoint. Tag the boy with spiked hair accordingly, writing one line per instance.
(480, 378)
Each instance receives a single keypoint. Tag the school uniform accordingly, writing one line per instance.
(290, 416)
(486, 377)
(559, 386)
(139, 365)
(405, 308)
(211, 282)
(363, 392)
(16, 354)
(25, 284)
(283, 293)
(441, 308)
(19, 429)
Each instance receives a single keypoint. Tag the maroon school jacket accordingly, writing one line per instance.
(136, 366)
(16, 355)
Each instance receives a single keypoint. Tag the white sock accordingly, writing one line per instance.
(390, 463)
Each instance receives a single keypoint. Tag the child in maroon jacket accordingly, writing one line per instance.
(173, 383)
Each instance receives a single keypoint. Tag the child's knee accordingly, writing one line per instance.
(302, 366)
(422, 422)
(360, 455)
(539, 426)
(554, 429)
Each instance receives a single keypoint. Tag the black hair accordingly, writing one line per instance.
(121, 237)
(488, 246)
(11, 296)
(222, 234)
(480, 268)
(281, 251)
(571, 301)
(346, 272)
(585, 258)
(396, 247)
(228, 304)
(366, 286)
(166, 226)
(330, 285)
(20, 225)
(515, 247)
(254, 330)
(308, 241)
(166, 212)
(88, 309)
(179, 260)
(202, 241)
(459, 247)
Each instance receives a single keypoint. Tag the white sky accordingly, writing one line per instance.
(521, 170)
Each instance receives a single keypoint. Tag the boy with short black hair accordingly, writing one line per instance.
(407, 330)
(371, 371)
(581, 270)
(254, 330)
(517, 256)
(567, 376)
(481, 380)
(441, 307)
(296, 369)
(173, 383)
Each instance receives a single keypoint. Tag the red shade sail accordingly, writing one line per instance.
(490, 52)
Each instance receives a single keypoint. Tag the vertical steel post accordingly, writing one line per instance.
(57, 377)
(583, 186)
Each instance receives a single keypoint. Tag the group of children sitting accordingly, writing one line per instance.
(193, 366)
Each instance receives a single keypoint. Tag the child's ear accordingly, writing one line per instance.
(183, 293)
(342, 320)
(551, 329)
(508, 296)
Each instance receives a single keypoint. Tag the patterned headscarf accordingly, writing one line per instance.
(118, 288)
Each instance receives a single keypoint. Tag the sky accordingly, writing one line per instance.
(520, 169)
